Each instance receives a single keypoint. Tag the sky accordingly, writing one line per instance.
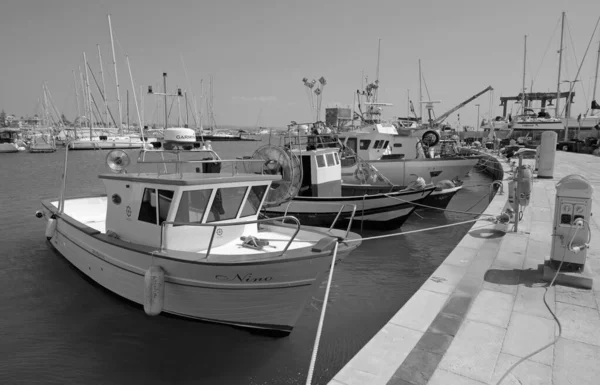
(257, 53)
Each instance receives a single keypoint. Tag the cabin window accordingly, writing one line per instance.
(386, 144)
(165, 199)
(192, 206)
(226, 203)
(255, 197)
(337, 158)
(330, 161)
(151, 207)
(377, 143)
(320, 161)
(148, 206)
(364, 144)
(397, 144)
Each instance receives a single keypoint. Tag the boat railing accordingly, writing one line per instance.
(211, 158)
(215, 226)
(336, 217)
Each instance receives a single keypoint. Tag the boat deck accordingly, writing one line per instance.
(92, 212)
(482, 310)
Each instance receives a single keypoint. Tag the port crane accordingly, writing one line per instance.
(441, 118)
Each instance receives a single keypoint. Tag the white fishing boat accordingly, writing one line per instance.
(187, 241)
(318, 193)
(9, 141)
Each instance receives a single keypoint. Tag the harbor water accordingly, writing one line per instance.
(58, 327)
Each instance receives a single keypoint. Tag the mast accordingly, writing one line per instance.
(187, 116)
(408, 103)
(179, 111)
(165, 88)
(377, 72)
(87, 85)
(420, 94)
(560, 49)
(524, 69)
(76, 97)
(135, 99)
(83, 96)
(596, 77)
(103, 84)
(116, 76)
(128, 110)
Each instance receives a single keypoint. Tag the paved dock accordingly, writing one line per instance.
(482, 309)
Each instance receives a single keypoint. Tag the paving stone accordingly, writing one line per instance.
(543, 213)
(503, 280)
(492, 308)
(540, 231)
(530, 300)
(434, 342)
(474, 351)
(579, 323)
(526, 333)
(379, 359)
(444, 377)
(458, 305)
(526, 373)
(576, 363)
(444, 279)
(461, 256)
(417, 368)
(420, 310)
(446, 324)
(575, 296)
(509, 259)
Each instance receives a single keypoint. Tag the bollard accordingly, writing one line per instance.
(547, 155)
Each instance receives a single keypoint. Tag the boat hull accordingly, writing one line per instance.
(105, 145)
(438, 199)
(8, 147)
(263, 294)
(402, 172)
(378, 211)
(222, 138)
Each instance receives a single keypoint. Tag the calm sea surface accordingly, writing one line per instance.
(56, 327)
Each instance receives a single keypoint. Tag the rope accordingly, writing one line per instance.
(439, 208)
(313, 358)
(412, 231)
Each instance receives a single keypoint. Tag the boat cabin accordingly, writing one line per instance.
(138, 204)
(381, 145)
(8, 135)
(321, 172)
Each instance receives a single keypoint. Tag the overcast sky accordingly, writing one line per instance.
(258, 51)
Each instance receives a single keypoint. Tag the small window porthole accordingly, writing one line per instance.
(116, 199)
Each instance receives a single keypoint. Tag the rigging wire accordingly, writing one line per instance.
(547, 49)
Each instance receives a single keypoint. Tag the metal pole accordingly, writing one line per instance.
(524, 70)
(128, 110)
(420, 94)
(165, 88)
(103, 84)
(517, 194)
(597, 66)
(477, 123)
(87, 86)
(116, 76)
(557, 113)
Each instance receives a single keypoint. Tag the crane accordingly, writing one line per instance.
(442, 117)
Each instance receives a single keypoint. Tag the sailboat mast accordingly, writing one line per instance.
(76, 95)
(377, 72)
(165, 90)
(560, 49)
(187, 116)
(103, 84)
(83, 96)
(420, 93)
(524, 70)
(597, 66)
(116, 75)
(87, 86)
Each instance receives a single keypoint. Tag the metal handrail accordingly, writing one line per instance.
(351, 218)
(220, 224)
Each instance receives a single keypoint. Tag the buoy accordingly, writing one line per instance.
(154, 290)
(50, 228)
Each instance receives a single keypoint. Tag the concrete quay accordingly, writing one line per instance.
(482, 310)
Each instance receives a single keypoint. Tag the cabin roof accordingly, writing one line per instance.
(190, 179)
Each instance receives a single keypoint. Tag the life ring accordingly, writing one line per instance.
(362, 172)
(430, 138)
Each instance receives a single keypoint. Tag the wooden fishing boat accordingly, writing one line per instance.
(186, 239)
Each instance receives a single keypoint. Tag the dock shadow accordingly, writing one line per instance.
(487, 233)
(515, 277)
